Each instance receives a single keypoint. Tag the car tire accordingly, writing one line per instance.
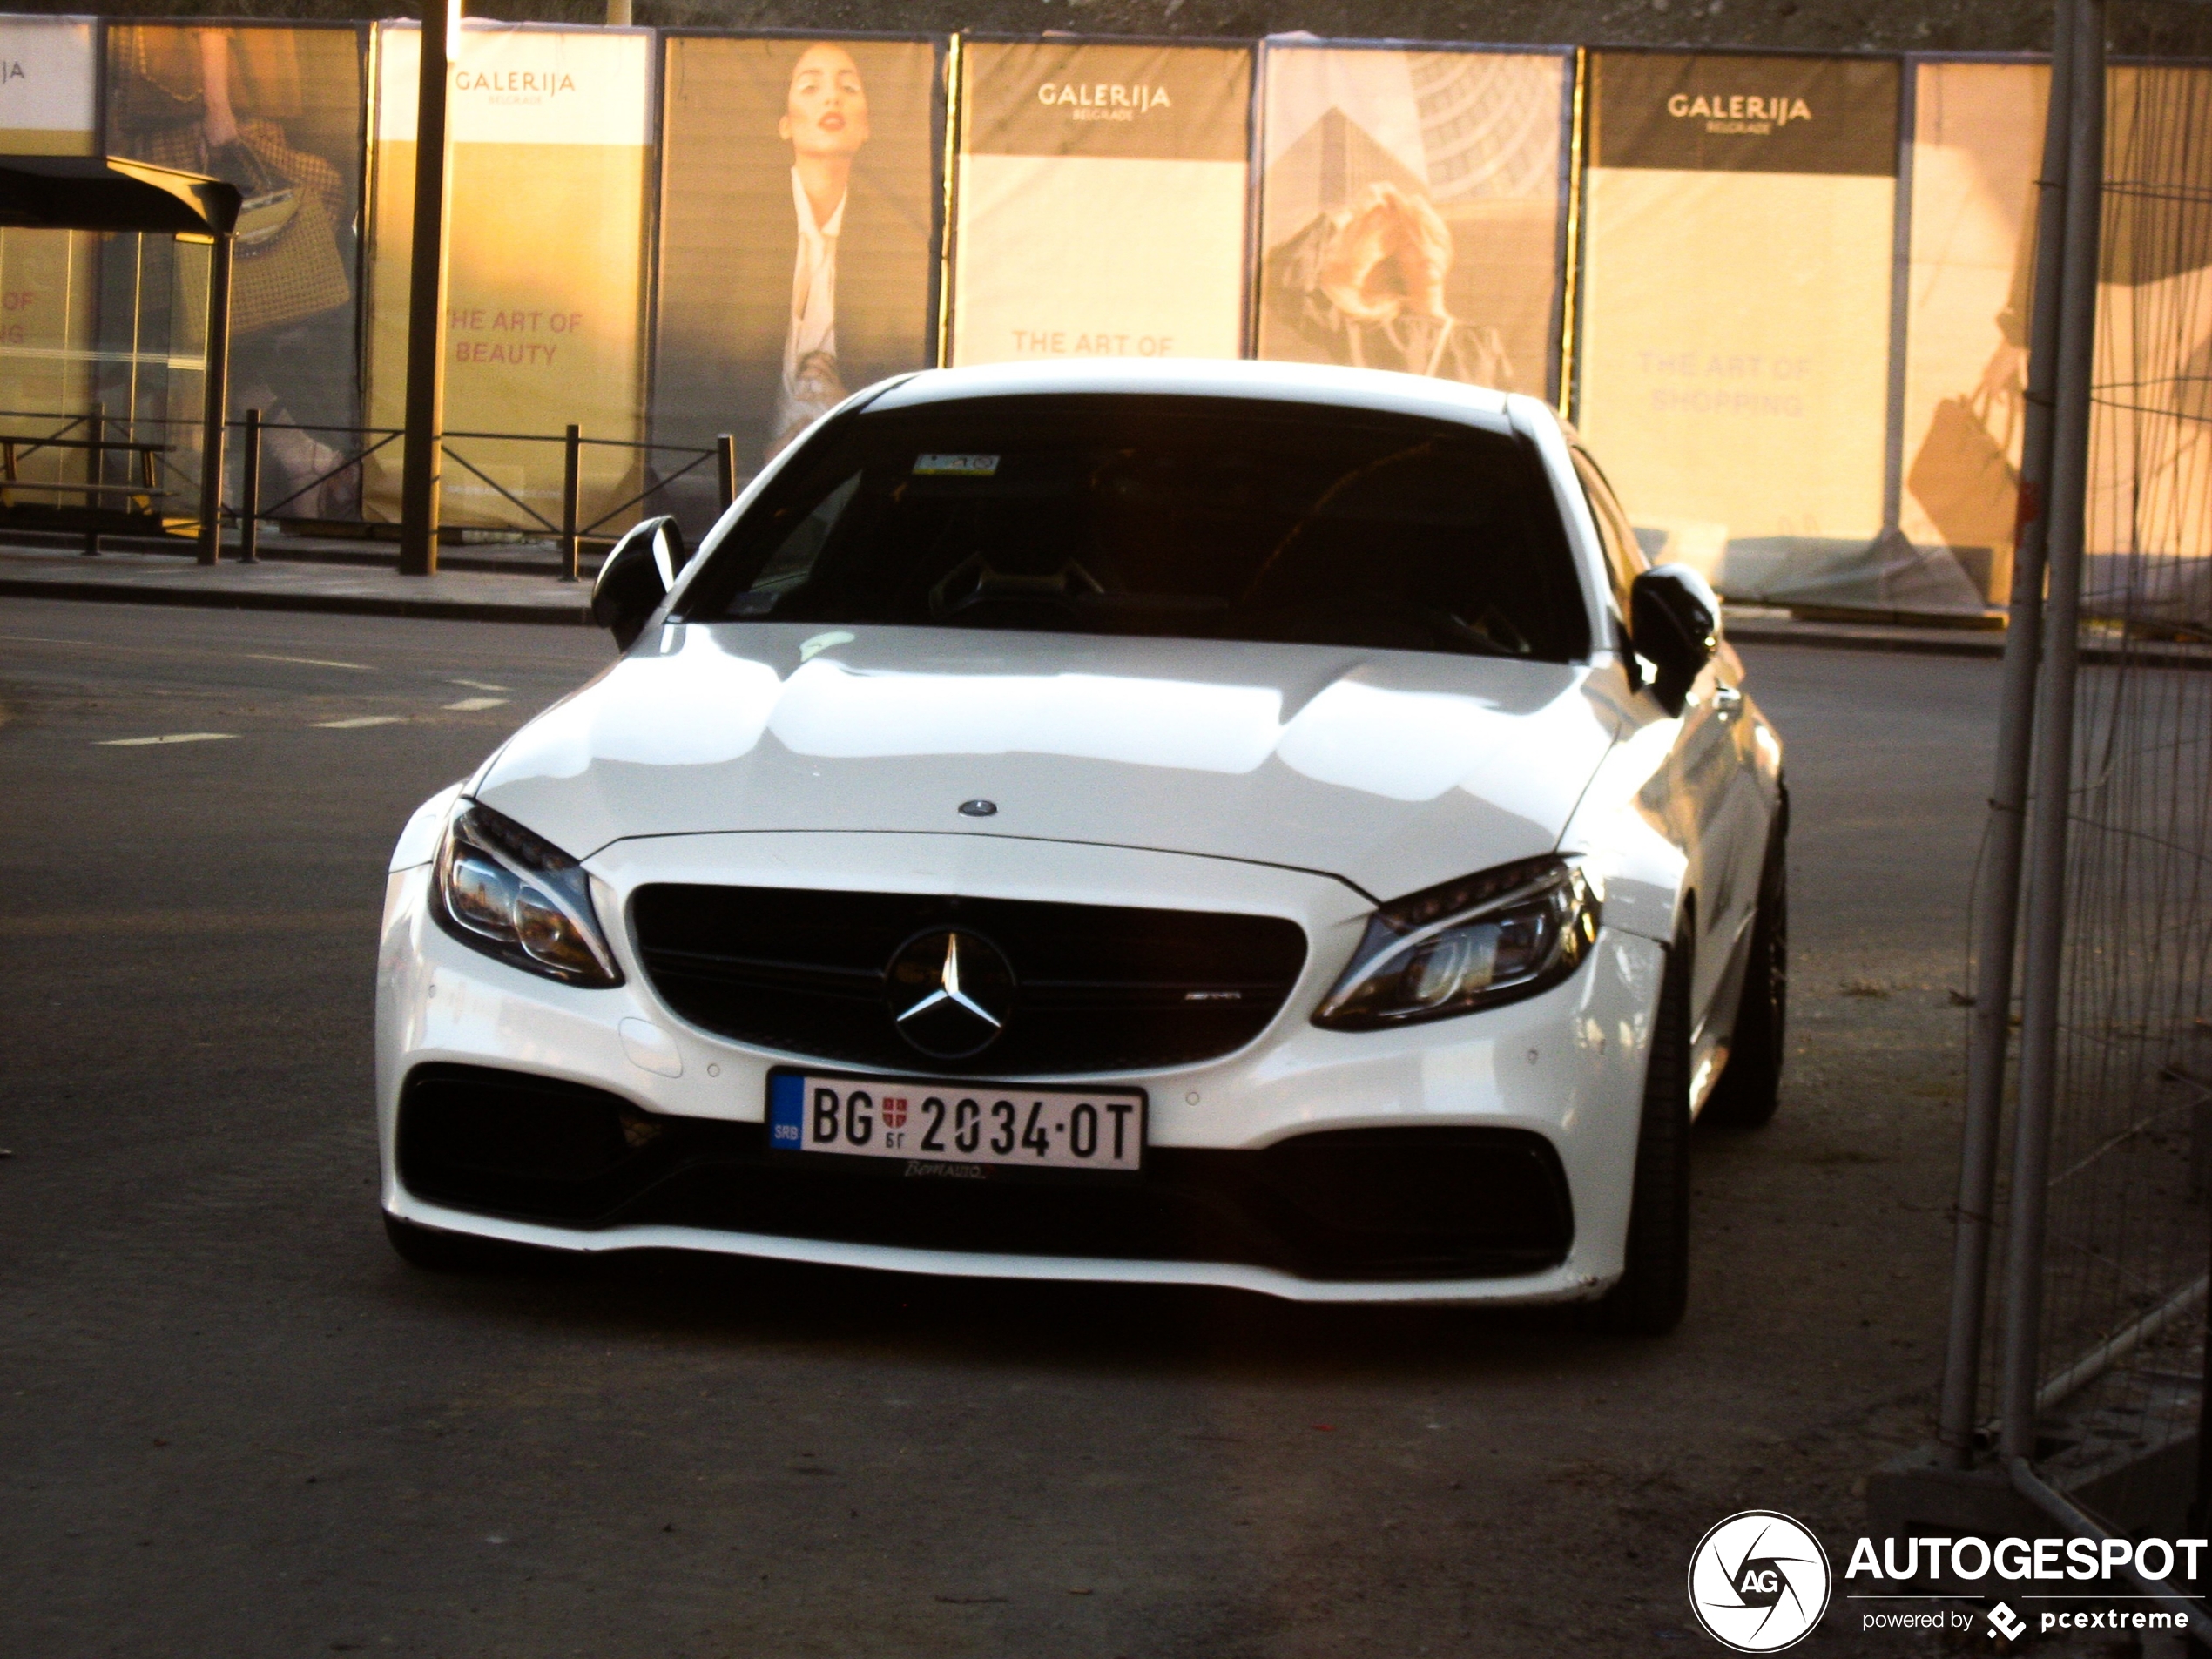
(435, 1251)
(1649, 1299)
(1751, 1087)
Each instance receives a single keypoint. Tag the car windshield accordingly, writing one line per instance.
(1177, 516)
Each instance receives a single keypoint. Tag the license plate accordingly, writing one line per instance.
(933, 1120)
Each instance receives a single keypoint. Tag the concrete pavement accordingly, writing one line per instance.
(294, 585)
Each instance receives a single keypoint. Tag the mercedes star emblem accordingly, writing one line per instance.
(951, 993)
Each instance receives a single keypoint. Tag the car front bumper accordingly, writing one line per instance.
(1566, 1066)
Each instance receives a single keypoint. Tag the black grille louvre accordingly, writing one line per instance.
(1100, 988)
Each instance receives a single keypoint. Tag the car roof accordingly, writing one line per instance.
(1357, 388)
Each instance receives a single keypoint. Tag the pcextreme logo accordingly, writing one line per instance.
(1759, 1581)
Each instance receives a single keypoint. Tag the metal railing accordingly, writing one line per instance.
(162, 462)
(253, 428)
(568, 530)
(96, 444)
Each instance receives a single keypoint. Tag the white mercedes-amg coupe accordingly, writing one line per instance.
(1228, 823)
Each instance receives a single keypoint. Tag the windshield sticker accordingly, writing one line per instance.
(955, 466)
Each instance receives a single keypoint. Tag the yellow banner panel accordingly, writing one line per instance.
(797, 236)
(546, 255)
(2150, 462)
(1410, 211)
(1100, 201)
(1737, 310)
(47, 277)
(1977, 155)
(1977, 148)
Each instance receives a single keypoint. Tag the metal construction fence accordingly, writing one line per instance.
(2121, 1347)
(2083, 1232)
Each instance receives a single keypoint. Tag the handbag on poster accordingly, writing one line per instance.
(288, 266)
(1964, 477)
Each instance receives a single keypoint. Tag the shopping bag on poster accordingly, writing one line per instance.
(1963, 476)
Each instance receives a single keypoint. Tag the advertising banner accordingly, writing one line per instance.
(276, 111)
(1977, 149)
(1412, 210)
(49, 85)
(798, 235)
(2150, 458)
(552, 132)
(1734, 358)
(1100, 201)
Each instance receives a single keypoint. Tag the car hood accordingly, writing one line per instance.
(1390, 770)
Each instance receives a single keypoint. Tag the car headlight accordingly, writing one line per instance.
(1506, 934)
(510, 893)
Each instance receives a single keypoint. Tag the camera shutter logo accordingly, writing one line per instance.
(1759, 1581)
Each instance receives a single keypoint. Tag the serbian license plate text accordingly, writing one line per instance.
(891, 1118)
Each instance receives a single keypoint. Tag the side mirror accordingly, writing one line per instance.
(1674, 622)
(638, 574)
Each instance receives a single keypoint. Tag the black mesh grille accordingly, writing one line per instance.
(1097, 987)
(1409, 1203)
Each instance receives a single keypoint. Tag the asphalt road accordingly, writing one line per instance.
(232, 1423)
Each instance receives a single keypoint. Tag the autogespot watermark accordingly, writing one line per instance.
(2098, 1581)
(1760, 1581)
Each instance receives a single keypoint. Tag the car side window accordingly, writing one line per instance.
(1624, 559)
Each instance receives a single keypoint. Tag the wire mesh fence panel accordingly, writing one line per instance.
(2126, 1248)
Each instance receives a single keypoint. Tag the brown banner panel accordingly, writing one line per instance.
(1726, 111)
(1050, 98)
(797, 234)
(276, 111)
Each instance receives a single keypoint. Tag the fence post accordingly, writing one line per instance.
(1997, 928)
(215, 410)
(570, 484)
(96, 431)
(249, 492)
(725, 468)
(423, 449)
(2044, 964)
